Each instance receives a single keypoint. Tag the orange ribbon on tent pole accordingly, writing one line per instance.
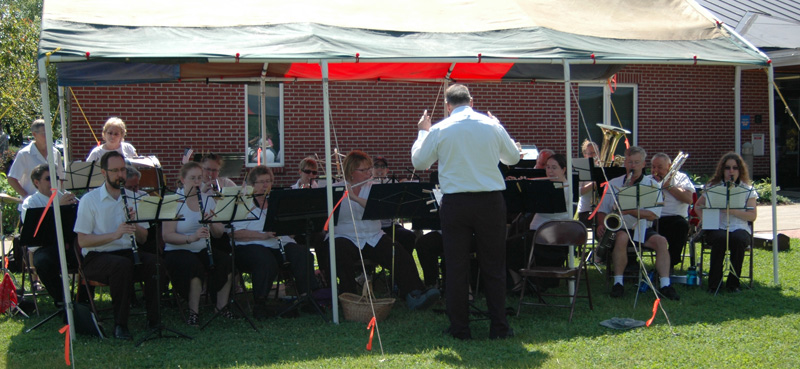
(65, 330)
(259, 156)
(655, 309)
(328, 221)
(46, 208)
(371, 328)
(605, 189)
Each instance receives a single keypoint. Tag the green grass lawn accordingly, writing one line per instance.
(754, 328)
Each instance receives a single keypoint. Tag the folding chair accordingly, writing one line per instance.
(705, 249)
(560, 233)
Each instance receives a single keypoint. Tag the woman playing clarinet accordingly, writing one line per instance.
(189, 260)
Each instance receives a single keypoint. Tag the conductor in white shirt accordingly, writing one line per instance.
(468, 146)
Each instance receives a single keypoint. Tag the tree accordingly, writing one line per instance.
(20, 98)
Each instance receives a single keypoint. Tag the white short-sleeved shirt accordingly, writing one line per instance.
(127, 150)
(189, 225)
(736, 222)
(28, 158)
(36, 200)
(350, 225)
(99, 213)
(258, 226)
(630, 221)
(671, 205)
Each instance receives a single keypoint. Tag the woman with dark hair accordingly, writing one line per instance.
(734, 231)
(185, 252)
(354, 234)
(260, 253)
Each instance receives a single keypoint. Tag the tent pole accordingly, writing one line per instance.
(568, 126)
(63, 115)
(326, 110)
(773, 173)
(56, 209)
(262, 117)
(737, 109)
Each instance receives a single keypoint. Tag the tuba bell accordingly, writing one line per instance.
(611, 137)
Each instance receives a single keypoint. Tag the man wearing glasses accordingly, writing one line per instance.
(105, 239)
(468, 146)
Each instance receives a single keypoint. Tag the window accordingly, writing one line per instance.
(599, 105)
(273, 102)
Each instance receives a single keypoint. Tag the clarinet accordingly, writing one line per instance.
(208, 240)
(134, 246)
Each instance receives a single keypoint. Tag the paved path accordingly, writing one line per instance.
(788, 219)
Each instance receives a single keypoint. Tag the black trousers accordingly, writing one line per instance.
(184, 265)
(675, 229)
(116, 269)
(737, 242)
(482, 215)
(48, 267)
(347, 261)
(403, 236)
(429, 249)
(263, 264)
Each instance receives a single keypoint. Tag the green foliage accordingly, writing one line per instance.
(699, 179)
(10, 212)
(20, 97)
(764, 190)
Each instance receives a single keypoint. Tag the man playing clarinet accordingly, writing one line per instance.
(108, 244)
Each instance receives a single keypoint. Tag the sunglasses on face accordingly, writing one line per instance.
(731, 168)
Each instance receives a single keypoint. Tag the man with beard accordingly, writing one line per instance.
(106, 242)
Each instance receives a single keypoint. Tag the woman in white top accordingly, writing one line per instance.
(186, 250)
(114, 136)
(587, 189)
(261, 253)
(733, 226)
(308, 174)
(556, 169)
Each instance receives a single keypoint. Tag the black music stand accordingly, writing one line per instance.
(83, 175)
(46, 237)
(154, 210)
(300, 212)
(232, 208)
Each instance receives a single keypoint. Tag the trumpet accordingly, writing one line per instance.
(205, 225)
(134, 246)
(613, 223)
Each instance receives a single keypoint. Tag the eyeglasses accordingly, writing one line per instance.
(731, 168)
(116, 170)
(363, 170)
(263, 182)
(309, 171)
(380, 166)
(114, 133)
(211, 170)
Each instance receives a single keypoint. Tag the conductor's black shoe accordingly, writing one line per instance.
(121, 332)
(509, 334)
(459, 336)
(617, 290)
(670, 293)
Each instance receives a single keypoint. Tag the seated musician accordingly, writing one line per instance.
(673, 224)
(544, 255)
(132, 178)
(186, 252)
(405, 237)
(114, 140)
(308, 174)
(261, 253)
(634, 164)
(354, 234)
(212, 182)
(587, 190)
(541, 160)
(107, 245)
(733, 228)
(45, 257)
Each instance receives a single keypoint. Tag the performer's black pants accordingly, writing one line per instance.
(347, 261)
(48, 267)
(115, 268)
(482, 214)
(675, 229)
(737, 242)
(263, 264)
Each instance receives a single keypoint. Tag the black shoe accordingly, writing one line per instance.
(418, 300)
(734, 290)
(508, 334)
(670, 293)
(121, 332)
(617, 290)
(459, 336)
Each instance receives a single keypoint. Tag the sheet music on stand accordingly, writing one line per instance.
(81, 175)
(235, 204)
(720, 198)
(158, 208)
(639, 196)
(583, 167)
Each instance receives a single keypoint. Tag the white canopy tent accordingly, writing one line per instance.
(97, 42)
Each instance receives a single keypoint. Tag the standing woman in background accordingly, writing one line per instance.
(114, 137)
(733, 226)
(185, 254)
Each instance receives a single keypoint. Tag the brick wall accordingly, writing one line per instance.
(686, 108)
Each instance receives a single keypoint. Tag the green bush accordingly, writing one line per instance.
(10, 212)
(764, 190)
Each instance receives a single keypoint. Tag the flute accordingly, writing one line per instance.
(134, 246)
(208, 239)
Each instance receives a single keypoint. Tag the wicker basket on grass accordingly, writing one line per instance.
(357, 308)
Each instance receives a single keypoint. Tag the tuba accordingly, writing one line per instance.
(611, 137)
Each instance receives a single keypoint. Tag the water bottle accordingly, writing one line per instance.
(691, 276)
(643, 287)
